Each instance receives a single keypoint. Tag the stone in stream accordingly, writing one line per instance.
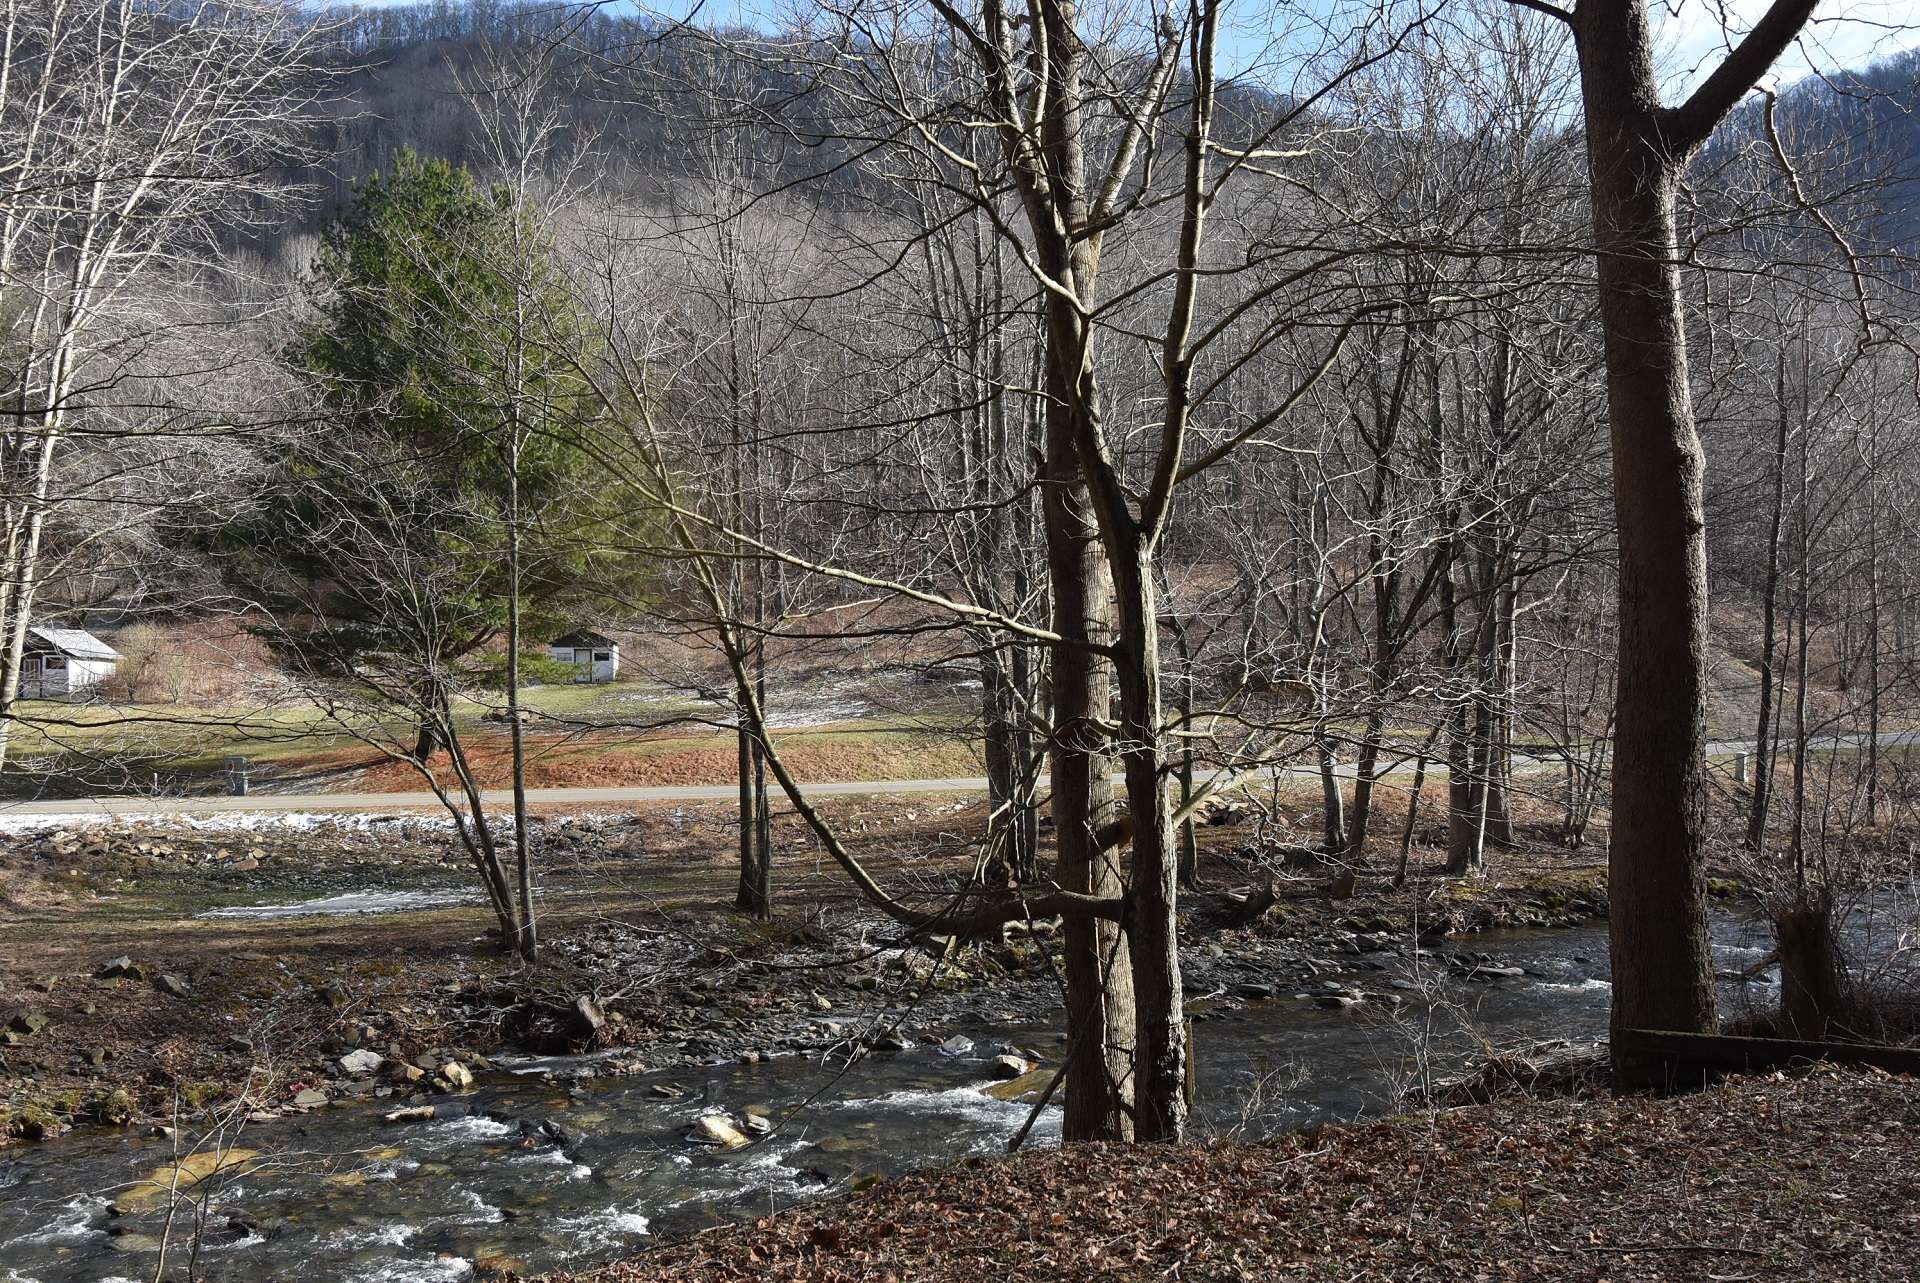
(717, 1129)
(552, 1129)
(362, 1062)
(1485, 971)
(958, 1045)
(309, 1098)
(457, 1076)
(1027, 1088)
(758, 1124)
(1010, 1067)
(134, 1244)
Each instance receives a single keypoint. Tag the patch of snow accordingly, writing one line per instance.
(348, 903)
(231, 821)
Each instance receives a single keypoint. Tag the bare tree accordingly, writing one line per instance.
(133, 135)
(1637, 149)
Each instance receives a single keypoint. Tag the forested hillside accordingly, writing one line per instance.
(401, 89)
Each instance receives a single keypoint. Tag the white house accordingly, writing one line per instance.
(594, 657)
(64, 663)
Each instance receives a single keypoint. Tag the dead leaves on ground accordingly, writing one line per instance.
(1812, 1178)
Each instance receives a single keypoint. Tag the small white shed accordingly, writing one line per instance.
(64, 663)
(595, 658)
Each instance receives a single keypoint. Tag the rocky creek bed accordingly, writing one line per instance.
(302, 983)
(563, 1162)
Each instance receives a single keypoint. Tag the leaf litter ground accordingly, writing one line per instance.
(1812, 1177)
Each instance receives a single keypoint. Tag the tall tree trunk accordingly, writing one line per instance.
(528, 944)
(1464, 851)
(1160, 1062)
(22, 570)
(1802, 668)
(1506, 699)
(1366, 765)
(1005, 767)
(1873, 618)
(426, 741)
(1333, 803)
(1636, 150)
(1189, 871)
(1099, 1078)
(1763, 746)
(753, 893)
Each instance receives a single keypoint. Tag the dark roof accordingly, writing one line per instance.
(583, 637)
(76, 642)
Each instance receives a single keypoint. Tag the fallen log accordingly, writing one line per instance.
(1683, 1058)
(1232, 910)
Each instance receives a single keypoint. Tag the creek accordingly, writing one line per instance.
(338, 1195)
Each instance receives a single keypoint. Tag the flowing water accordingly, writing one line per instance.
(338, 1195)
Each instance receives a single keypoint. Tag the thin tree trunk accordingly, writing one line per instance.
(1366, 766)
(528, 944)
(1763, 744)
(1333, 813)
(1873, 618)
(1160, 1062)
(1802, 670)
(1413, 805)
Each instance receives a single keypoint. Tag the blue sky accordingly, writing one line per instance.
(1843, 34)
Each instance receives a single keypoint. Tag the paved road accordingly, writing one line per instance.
(538, 799)
(560, 799)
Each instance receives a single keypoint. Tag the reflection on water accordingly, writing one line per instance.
(344, 1197)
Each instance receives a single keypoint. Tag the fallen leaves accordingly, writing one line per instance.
(1627, 1190)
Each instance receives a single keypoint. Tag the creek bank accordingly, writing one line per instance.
(544, 1167)
(1775, 1179)
(135, 1010)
